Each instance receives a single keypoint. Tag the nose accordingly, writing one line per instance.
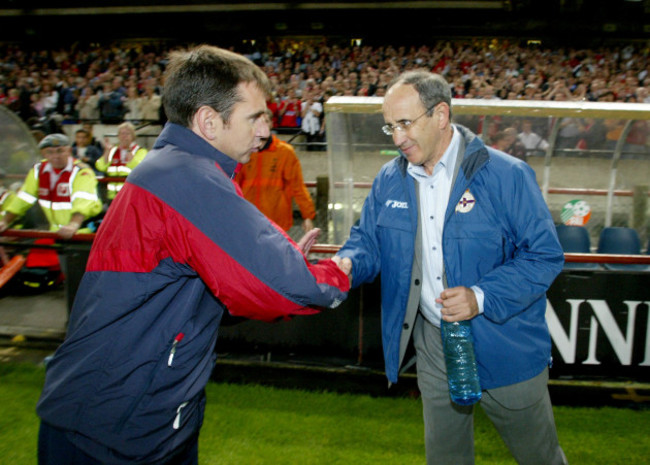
(262, 129)
(398, 137)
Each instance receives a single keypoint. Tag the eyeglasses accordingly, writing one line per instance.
(405, 124)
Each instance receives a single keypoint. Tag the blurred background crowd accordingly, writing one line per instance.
(111, 84)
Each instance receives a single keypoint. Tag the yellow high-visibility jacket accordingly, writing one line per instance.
(116, 166)
(60, 195)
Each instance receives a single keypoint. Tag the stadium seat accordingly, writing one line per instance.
(575, 239)
(624, 241)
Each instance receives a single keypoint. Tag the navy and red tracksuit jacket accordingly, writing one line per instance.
(177, 248)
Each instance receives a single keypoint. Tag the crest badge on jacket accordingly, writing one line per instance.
(466, 202)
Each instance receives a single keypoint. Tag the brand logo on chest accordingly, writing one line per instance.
(396, 204)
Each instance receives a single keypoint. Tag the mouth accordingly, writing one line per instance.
(407, 150)
(260, 145)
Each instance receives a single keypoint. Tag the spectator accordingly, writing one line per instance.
(89, 128)
(642, 95)
(87, 106)
(507, 142)
(150, 103)
(119, 160)
(311, 110)
(111, 102)
(568, 135)
(533, 142)
(48, 100)
(496, 225)
(273, 104)
(593, 134)
(83, 150)
(272, 180)
(177, 250)
(68, 97)
(323, 122)
(132, 105)
(289, 110)
(499, 141)
(66, 190)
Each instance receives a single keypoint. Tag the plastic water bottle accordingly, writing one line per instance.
(462, 373)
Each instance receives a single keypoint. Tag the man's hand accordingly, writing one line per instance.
(458, 304)
(345, 265)
(307, 225)
(308, 240)
(67, 231)
(108, 146)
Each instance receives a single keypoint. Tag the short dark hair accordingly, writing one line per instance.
(432, 88)
(206, 75)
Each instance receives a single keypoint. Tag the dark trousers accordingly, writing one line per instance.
(54, 448)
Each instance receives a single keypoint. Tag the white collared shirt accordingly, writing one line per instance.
(434, 193)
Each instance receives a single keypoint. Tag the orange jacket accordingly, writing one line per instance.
(271, 179)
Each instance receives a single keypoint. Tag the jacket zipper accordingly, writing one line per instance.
(136, 401)
(177, 339)
(177, 420)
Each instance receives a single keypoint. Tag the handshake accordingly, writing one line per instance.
(309, 239)
(345, 265)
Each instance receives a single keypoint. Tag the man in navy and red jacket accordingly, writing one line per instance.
(178, 247)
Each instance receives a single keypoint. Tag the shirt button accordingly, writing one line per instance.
(431, 217)
(417, 282)
(435, 248)
(406, 326)
(438, 278)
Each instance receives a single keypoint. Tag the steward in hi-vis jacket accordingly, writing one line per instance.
(65, 189)
(118, 161)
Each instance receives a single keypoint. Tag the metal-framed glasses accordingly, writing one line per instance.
(405, 124)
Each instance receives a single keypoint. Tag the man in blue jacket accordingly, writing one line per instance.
(460, 231)
(178, 247)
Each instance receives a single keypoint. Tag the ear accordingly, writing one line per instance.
(207, 123)
(442, 111)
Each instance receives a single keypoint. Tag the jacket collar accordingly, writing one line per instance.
(475, 156)
(175, 134)
(47, 166)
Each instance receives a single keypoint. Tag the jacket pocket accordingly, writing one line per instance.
(395, 215)
(161, 363)
(476, 247)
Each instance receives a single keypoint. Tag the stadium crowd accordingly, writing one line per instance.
(110, 84)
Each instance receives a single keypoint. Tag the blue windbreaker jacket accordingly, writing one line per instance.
(505, 243)
(178, 246)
